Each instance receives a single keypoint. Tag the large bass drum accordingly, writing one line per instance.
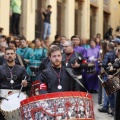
(10, 107)
(58, 106)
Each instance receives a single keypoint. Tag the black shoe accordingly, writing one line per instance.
(90, 91)
(102, 110)
(111, 114)
(95, 91)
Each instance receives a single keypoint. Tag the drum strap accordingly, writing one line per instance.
(20, 60)
(75, 78)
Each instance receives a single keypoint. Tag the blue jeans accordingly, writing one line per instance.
(106, 101)
(47, 30)
(108, 98)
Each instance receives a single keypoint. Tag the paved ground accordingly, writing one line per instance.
(98, 115)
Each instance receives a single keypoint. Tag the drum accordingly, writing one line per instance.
(10, 107)
(111, 85)
(91, 68)
(58, 106)
(35, 89)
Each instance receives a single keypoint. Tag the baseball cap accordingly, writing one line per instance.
(116, 40)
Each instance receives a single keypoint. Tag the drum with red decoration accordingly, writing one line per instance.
(35, 89)
(58, 106)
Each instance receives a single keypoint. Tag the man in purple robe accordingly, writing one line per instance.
(92, 55)
(76, 43)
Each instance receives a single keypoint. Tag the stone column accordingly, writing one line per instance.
(85, 19)
(69, 18)
(80, 8)
(29, 19)
(99, 18)
(5, 15)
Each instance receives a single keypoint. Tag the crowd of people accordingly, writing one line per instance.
(59, 62)
(57, 65)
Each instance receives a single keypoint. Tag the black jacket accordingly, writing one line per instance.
(75, 57)
(49, 78)
(18, 74)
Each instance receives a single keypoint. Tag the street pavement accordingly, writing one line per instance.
(98, 115)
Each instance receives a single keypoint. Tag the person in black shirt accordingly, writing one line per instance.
(10, 70)
(12, 76)
(107, 62)
(74, 60)
(47, 26)
(116, 66)
(56, 78)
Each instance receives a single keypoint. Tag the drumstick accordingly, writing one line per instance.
(116, 72)
(21, 88)
(105, 72)
(20, 91)
(100, 79)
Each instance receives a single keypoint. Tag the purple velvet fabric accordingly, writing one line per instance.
(79, 49)
(91, 80)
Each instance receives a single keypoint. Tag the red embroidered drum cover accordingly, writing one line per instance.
(58, 106)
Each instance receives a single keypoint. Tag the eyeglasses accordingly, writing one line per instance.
(65, 46)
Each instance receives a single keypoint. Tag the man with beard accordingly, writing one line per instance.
(18, 60)
(10, 70)
(56, 78)
(12, 76)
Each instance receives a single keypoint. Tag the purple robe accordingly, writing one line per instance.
(98, 46)
(79, 49)
(91, 80)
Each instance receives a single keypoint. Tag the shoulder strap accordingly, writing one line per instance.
(20, 60)
(75, 77)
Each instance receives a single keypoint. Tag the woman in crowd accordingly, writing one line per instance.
(39, 52)
(103, 75)
(92, 55)
(98, 41)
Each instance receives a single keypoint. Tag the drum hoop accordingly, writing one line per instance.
(59, 95)
(22, 105)
(54, 96)
(11, 110)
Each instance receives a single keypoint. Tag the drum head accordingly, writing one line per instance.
(13, 102)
